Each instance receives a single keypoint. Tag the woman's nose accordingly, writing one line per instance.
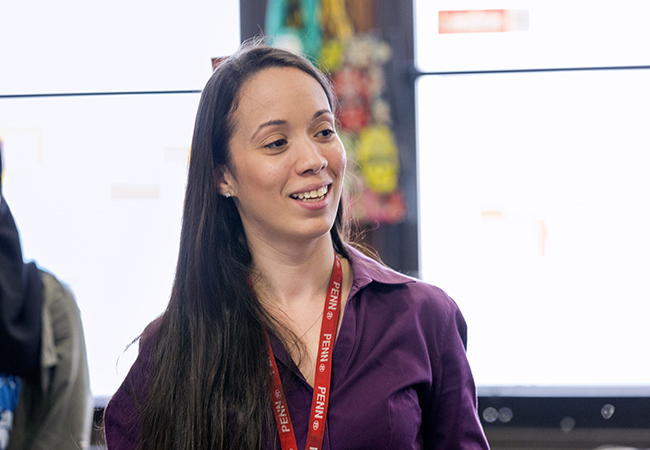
(311, 159)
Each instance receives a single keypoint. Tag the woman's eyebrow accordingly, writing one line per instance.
(276, 122)
(268, 124)
(320, 113)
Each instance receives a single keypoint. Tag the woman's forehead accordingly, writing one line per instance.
(281, 88)
(290, 78)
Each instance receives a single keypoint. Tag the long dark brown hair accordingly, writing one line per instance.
(209, 370)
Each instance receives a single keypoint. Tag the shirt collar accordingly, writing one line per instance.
(366, 270)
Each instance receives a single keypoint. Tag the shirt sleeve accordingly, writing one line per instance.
(450, 415)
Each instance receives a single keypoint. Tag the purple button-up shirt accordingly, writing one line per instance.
(400, 376)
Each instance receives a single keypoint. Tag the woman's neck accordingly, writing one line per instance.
(292, 276)
(291, 283)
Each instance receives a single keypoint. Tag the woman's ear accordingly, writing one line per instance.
(224, 181)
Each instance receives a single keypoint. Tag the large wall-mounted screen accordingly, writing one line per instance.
(534, 216)
(533, 155)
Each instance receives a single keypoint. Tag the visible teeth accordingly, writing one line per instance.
(316, 193)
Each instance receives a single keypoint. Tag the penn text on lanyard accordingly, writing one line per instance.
(323, 375)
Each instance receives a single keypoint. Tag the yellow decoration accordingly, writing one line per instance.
(335, 19)
(331, 55)
(378, 159)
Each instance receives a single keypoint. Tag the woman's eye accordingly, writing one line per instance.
(326, 133)
(276, 144)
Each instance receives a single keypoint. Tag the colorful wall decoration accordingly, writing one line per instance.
(355, 61)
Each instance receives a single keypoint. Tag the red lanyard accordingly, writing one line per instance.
(320, 401)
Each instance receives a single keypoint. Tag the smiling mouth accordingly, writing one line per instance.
(312, 196)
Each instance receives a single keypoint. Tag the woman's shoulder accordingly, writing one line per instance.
(150, 334)
(374, 277)
(384, 295)
(138, 376)
(121, 413)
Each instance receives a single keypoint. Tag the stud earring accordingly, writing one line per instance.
(227, 195)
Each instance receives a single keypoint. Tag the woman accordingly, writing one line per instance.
(275, 325)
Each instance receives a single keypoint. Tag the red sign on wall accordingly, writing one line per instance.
(483, 21)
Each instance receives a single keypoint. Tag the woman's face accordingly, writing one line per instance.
(286, 161)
